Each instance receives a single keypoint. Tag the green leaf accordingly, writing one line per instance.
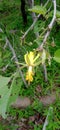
(8, 93)
(38, 9)
(4, 95)
(58, 14)
(4, 81)
(57, 56)
(58, 17)
(15, 90)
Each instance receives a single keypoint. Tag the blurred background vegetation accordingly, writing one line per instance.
(11, 22)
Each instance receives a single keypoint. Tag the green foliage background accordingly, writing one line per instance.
(10, 20)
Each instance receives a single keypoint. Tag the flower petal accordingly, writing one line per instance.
(29, 74)
(27, 60)
(31, 57)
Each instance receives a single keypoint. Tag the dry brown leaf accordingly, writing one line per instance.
(21, 102)
(47, 100)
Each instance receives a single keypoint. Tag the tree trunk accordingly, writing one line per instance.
(23, 11)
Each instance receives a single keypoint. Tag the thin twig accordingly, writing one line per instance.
(47, 118)
(15, 58)
(50, 26)
(5, 67)
(45, 72)
(33, 24)
(31, 27)
(46, 3)
(47, 34)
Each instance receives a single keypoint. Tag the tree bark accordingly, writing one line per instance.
(23, 11)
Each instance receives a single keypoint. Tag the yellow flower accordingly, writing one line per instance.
(31, 61)
(29, 74)
(29, 58)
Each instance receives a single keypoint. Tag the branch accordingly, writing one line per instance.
(50, 26)
(31, 27)
(34, 21)
(15, 58)
(50, 111)
(5, 67)
(46, 3)
(33, 17)
(47, 34)
(45, 72)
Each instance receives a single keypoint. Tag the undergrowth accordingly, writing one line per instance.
(11, 19)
